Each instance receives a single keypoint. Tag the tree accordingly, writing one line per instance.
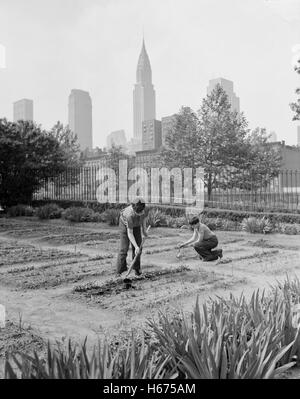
(222, 134)
(296, 106)
(182, 142)
(68, 142)
(28, 154)
(115, 154)
(217, 140)
(263, 161)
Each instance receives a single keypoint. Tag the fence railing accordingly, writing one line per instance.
(237, 190)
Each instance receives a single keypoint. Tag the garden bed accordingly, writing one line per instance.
(68, 293)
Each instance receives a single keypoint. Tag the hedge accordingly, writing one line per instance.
(235, 216)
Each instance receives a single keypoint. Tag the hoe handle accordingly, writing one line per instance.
(137, 254)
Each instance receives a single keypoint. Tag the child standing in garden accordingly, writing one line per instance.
(132, 227)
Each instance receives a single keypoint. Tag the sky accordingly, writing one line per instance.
(54, 46)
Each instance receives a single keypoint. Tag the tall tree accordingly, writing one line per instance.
(28, 154)
(70, 147)
(296, 106)
(263, 160)
(222, 134)
(219, 141)
(182, 142)
(68, 142)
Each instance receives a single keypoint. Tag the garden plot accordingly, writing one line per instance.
(53, 274)
(153, 289)
(76, 238)
(10, 224)
(39, 280)
(15, 254)
(43, 231)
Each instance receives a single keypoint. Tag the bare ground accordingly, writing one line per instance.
(60, 277)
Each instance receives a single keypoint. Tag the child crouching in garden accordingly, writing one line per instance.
(203, 240)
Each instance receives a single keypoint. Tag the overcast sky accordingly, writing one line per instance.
(57, 45)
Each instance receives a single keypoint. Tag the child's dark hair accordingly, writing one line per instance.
(138, 205)
(194, 220)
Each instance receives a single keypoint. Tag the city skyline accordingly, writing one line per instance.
(93, 46)
(80, 117)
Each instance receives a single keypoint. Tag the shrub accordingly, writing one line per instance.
(291, 229)
(156, 218)
(176, 222)
(238, 216)
(20, 210)
(78, 215)
(49, 211)
(256, 225)
(220, 223)
(111, 216)
(94, 205)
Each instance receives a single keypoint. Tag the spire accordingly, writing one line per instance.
(143, 72)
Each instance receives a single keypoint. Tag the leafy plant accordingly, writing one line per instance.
(285, 228)
(156, 218)
(230, 339)
(49, 211)
(257, 225)
(76, 214)
(176, 222)
(20, 210)
(111, 216)
(136, 360)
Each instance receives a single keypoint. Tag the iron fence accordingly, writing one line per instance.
(238, 190)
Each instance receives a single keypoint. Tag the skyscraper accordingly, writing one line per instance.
(23, 110)
(227, 86)
(117, 138)
(143, 95)
(80, 117)
(151, 134)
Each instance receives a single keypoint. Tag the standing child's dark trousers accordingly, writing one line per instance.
(204, 248)
(124, 246)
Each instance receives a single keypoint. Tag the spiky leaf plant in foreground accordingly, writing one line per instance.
(75, 362)
(230, 338)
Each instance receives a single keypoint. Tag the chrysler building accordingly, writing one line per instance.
(143, 95)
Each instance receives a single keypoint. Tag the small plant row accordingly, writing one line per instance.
(231, 338)
(98, 288)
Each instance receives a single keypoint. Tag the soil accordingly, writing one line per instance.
(60, 277)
